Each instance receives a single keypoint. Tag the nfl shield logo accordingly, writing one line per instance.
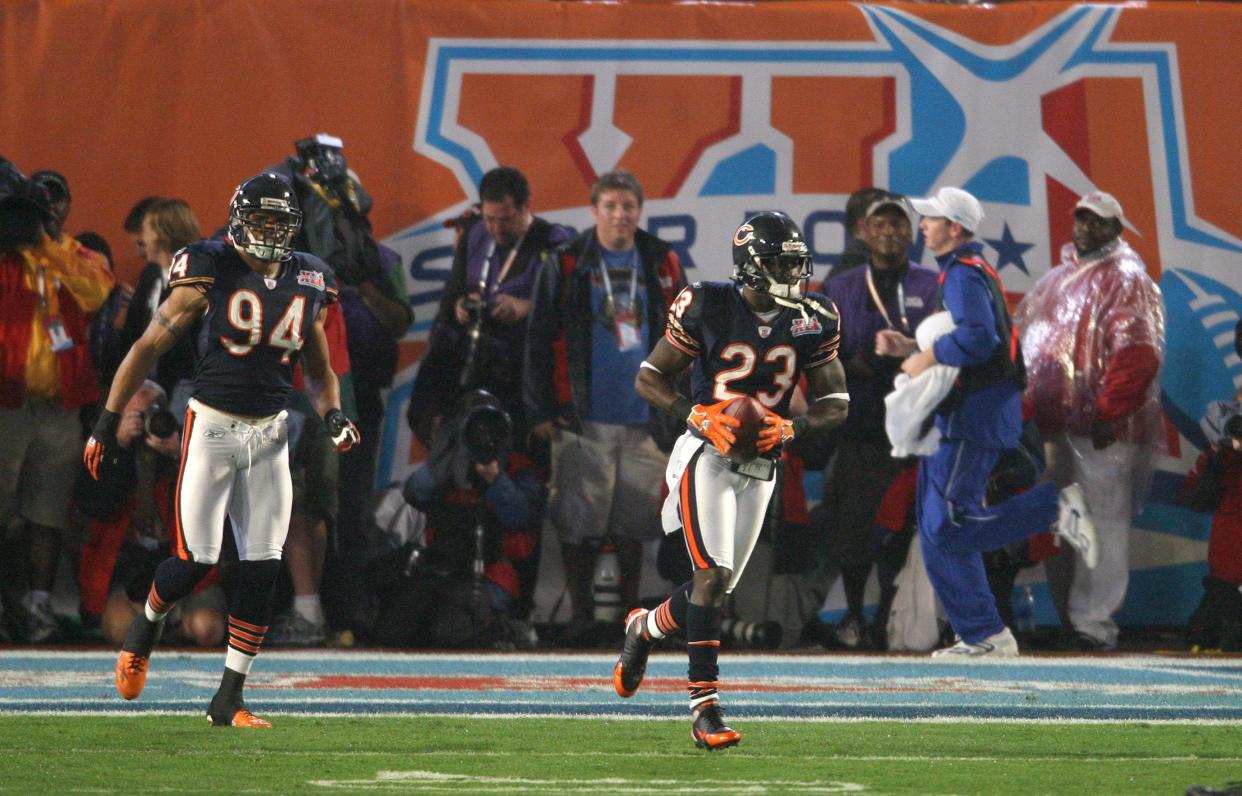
(764, 331)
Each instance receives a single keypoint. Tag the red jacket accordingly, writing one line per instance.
(1225, 543)
(78, 381)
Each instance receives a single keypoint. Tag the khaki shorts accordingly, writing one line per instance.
(606, 481)
(39, 462)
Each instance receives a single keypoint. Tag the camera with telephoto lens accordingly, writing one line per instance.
(159, 422)
(1233, 427)
(487, 433)
(753, 635)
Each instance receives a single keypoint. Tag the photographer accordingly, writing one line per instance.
(484, 505)
(131, 517)
(480, 332)
(49, 286)
(375, 309)
(1214, 485)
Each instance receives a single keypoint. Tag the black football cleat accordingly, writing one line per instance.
(627, 675)
(709, 730)
(231, 711)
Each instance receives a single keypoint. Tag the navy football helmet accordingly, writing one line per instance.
(770, 256)
(264, 217)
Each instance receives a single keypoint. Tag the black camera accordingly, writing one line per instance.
(323, 154)
(473, 307)
(159, 422)
(1233, 427)
(487, 433)
(752, 635)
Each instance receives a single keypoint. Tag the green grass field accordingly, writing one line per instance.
(182, 754)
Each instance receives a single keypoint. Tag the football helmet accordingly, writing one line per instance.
(770, 256)
(264, 217)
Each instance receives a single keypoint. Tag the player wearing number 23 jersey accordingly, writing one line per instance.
(264, 307)
(755, 336)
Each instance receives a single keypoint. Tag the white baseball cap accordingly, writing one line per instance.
(1104, 205)
(953, 204)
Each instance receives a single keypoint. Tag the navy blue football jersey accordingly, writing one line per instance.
(739, 353)
(254, 328)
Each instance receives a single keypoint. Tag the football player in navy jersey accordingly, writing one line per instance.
(754, 337)
(263, 306)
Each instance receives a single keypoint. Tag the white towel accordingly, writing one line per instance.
(912, 400)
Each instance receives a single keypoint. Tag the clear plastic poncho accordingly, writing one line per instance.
(1072, 323)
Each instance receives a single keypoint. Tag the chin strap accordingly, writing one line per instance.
(802, 304)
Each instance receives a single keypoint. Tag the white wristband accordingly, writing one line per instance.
(842, 396)
(647, 364)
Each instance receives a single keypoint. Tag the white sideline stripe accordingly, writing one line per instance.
(734, 700)
(1105, 661)
(454, 753)
(1058, 720)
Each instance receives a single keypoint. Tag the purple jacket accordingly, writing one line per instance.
(860, 320)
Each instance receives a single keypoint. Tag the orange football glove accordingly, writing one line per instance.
(101, 448)
(713, 423)
(778, 432)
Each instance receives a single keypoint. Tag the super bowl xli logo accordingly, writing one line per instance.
(951, 111)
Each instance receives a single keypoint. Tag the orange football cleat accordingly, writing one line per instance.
(242, 718)
(709, 730)
(131, 674)
(627, 675)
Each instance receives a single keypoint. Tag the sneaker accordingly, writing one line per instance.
(709, 730)
(41, 626)
(1083, 642)
(627, 675)
(231, 711)
(1075, 526)
(849, 631)
(131, 664)
(997, 645)
(293, 629)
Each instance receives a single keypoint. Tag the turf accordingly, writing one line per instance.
(182, 754)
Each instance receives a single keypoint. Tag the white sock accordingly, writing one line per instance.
(239, 662)
(309, 606)
(652, 630)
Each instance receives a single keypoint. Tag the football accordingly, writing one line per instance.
(751, 413)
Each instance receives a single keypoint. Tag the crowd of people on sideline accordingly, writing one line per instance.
(575, 379)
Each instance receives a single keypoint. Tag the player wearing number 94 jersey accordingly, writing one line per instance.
(754, 336)
(265, 307)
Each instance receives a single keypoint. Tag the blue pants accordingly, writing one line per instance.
(955, 529)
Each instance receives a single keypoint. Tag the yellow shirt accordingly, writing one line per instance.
(85, 274)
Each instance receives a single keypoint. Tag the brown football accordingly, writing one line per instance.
(751, 413)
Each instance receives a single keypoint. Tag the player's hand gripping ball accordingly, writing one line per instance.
(750, 414)
(711, 421)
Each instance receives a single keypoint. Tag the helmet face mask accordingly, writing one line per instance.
(264, 218)
(771, 256)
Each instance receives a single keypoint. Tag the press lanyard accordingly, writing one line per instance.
(40, 287)
(901, 303)
(610, 307)
(504, 269)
